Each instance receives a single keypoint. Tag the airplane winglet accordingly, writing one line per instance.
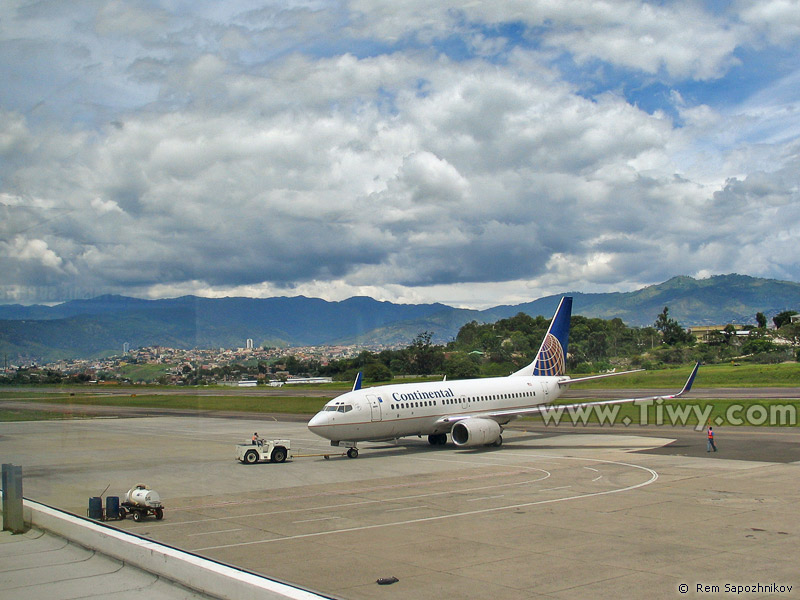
(357, 382)
(688, 385)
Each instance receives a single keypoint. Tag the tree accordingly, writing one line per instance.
(424, 357)
(783, 318)
(671, 331)
(791, 332)
(461, 366)
(729, 332)
(468, 334)
(761, 320)
(597, 345)
(292, 364)
(662, 320)
(376, 371)
(757, 346)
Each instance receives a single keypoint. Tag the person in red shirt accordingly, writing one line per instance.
(711, 445)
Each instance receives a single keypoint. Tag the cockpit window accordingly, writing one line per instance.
(338, 407)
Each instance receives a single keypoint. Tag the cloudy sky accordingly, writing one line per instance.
(472, 153)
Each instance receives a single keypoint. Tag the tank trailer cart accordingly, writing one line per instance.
(140, 502)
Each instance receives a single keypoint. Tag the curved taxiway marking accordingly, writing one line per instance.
(596, 471)
(284, 511)
(653, 477)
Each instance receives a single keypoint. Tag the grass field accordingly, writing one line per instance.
(279, 404)
(709, 376)
(10, 415)
(145, 372)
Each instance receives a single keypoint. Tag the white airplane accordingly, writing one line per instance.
(472, 411)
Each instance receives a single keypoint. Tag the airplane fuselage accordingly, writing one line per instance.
(393, 411)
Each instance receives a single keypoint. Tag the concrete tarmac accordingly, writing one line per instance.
(37, 565)
(555, 513)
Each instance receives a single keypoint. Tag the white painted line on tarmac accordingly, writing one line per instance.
(354, 492)
(319, 519)
(547, 474)
(653, 477)
(213, 532)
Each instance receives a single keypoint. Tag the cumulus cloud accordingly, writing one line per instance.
(679, 38)
(405, 151)
(778, 20)
(32, 251)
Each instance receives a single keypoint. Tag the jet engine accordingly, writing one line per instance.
(476, 432)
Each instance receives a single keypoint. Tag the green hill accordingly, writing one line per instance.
(100, 326)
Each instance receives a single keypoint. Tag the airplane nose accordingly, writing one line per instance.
(318, 420)
(320, 424)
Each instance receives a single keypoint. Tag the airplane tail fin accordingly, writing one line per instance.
(551, 359)
(357, 382)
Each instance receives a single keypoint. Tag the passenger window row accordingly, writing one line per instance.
(412, 404)
(423, 404)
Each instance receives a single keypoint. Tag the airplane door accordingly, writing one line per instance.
(546, 392)
(464, 402)
(375, 407)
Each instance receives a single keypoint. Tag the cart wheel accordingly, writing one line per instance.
(159, 513)
(251, 457)
(122, 513)
(278, 454)
(137, 516)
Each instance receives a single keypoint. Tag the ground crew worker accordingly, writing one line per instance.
(711, 444)
(256, 440)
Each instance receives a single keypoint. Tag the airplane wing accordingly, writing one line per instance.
(570, 381)
(505, 415)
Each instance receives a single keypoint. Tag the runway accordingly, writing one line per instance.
(554, 513)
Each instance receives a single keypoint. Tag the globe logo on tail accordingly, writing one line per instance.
(550, 361)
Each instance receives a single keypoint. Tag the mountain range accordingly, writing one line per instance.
(100, 326)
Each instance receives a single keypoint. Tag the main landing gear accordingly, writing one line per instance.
(440, 439)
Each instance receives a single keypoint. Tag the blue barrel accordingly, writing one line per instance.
(96, 508)
(112, 507)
